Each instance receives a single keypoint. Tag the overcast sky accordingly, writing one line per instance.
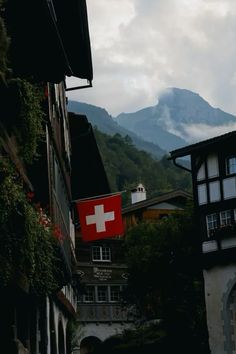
(140, 47)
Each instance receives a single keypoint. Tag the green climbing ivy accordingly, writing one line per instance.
(27, 246)
(29, 120)
(4, 44)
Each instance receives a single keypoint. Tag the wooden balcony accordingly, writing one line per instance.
(223, 231)
(220, 247)
(105, 313)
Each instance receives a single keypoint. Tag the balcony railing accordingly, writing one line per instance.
(223, 231)
(104, 313)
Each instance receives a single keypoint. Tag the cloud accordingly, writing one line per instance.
(197, 132)
(141, 47)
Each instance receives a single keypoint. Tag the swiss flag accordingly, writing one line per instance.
(100, 217)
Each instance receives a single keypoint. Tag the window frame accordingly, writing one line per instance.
(104, 254)
(208, 222)
(230, 166)
(93, 299)
(95, 295)
(224, 221)
(118, 293)
(99, 292)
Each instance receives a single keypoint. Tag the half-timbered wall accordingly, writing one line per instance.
(214, 179)
(214, 187)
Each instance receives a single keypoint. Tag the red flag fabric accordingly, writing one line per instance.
(100, 218)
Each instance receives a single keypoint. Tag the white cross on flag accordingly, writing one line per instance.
(100, 217)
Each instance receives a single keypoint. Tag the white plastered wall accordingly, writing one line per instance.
(219, 282)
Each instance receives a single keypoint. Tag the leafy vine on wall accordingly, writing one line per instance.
(4, 44)
(27, 246)
(31, 119)
(22, 115)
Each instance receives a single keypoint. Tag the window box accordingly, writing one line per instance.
(225, 231)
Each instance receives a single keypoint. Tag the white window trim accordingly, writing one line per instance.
(207, 223)
(221, 220)
(94, 296)
(109, 293)
(227, 165)
(108, 289)
(100, 252)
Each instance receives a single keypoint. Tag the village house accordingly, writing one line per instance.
(213, 169)
(44, 42)
(153, 209)
(102, 311)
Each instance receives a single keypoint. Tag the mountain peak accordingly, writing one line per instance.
(179, 118)
(182, 114)
(180, 97)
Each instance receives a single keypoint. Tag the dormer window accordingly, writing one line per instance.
(231, 165)
(101, 254)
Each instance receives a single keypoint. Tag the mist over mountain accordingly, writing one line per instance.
(101, 119)
(181, 117)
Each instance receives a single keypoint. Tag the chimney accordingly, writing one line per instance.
(138, 194)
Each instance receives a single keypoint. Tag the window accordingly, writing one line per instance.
(225, 217)
(164, 216)
(60, 197)
(90, 294)
(202, 194)
(229, 188)
(214, 191)
(211, 222)
(212, 166)
(114, 293)
(101, 254)
(102, 293)
(231, 165)
(201, 172)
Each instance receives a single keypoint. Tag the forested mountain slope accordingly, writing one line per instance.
(126, 166)
(100, 118)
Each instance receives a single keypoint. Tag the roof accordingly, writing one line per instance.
(49, 39)
(72, 22)
(88, 173)
(174, 195)
(187, 150)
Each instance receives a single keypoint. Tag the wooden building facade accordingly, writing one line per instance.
(102, 311)
(45, 41)
(154, 209)
(214, 187)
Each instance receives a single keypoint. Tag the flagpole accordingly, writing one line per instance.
(97, 196)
